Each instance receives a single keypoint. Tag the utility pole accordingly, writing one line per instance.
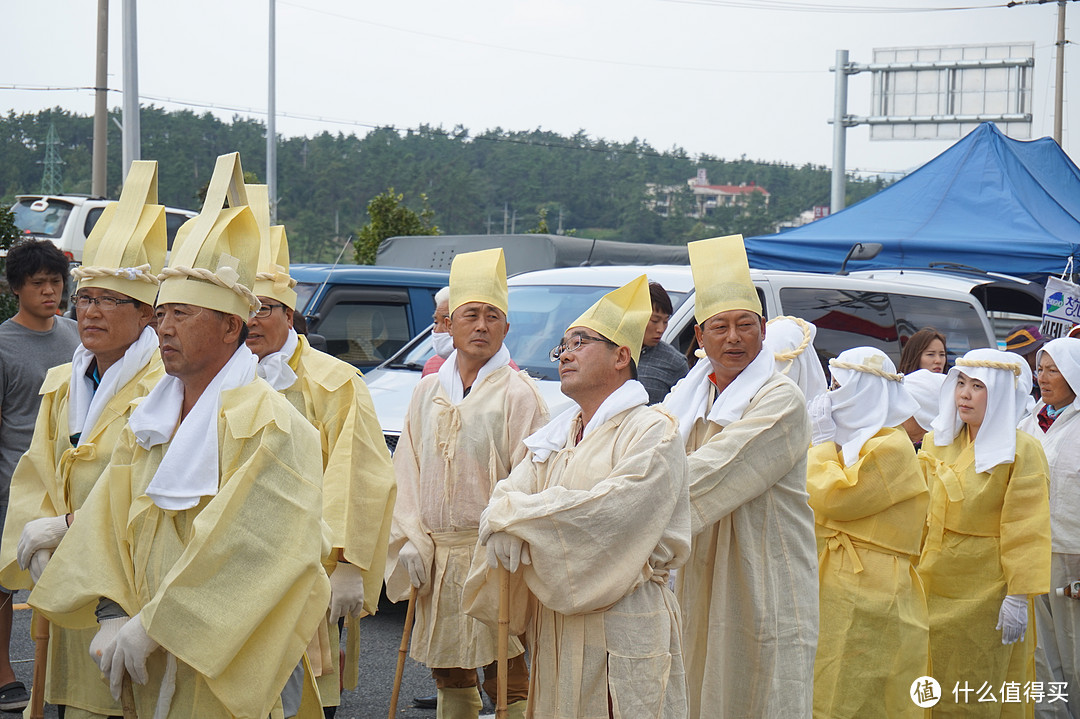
(99, 176)
(132, 146)
(52, 180)
(506, 216)
(839, 173)
(1059, 82)
(271, 124)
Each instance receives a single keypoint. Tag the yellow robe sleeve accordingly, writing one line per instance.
(1025, 520)
(359, 489)
(750, 455)
(34, 492)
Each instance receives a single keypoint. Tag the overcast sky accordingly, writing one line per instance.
(724, 77)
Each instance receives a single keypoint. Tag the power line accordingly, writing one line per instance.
(791, 6)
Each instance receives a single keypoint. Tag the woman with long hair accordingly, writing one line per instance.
(987, 549)
(924, 350)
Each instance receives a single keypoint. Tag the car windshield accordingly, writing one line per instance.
(41, 217)
(539, 314)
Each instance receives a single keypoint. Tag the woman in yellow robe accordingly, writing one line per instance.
(869, 500)
(987, 550)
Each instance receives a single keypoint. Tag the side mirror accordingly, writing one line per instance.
(860, 251)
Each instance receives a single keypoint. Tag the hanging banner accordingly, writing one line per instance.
(1061, 308)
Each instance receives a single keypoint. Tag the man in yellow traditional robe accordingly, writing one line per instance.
(749, 590)
(200, 544)
(462, 434)
(358, 479)
(85, 405)
(597, 514)
(869, 499)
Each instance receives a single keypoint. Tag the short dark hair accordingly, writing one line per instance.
(661, 301)
(29, 257)
(633, 369)
(243, 327)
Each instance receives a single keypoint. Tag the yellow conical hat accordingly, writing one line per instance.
(621, 315)
(215, 254)
(126, 249)
(721, 277)
(272, 279)
(479, 277)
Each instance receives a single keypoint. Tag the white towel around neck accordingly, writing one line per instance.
(85, 405)
(190, 468)
(274, 367)
(450, 378)
(553, 436)
(689, 398)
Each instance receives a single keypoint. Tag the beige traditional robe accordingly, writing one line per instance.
(232, 589)
(358, 490)
(605, 521)
(447, 462)
(749, 592)
(54, 478)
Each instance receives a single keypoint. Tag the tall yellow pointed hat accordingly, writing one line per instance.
(126, 249)
(272, 278)
(479, 277)
(721, 277)
(215, 254)
(621, 315)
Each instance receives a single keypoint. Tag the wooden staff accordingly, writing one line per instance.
(41, 661)
(127, 698)
(402, 651)
(502, 647)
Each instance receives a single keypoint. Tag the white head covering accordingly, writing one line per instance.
(1065, 351)
(1008, 385)
(871, 395)
(791, 340)
(925, 387)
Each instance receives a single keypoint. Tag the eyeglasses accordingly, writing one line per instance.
(267, 309)
(573, 344)
(105, 303)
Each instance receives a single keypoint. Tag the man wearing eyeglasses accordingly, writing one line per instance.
(749, 591)
(358, 479)
(84, 406)
(591, 522)
(462, 434)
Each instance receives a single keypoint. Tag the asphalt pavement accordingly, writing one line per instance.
(380, 637)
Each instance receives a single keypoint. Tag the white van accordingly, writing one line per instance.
(68, 219)
(876, 308)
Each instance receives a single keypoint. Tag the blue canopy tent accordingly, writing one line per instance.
(990, 202)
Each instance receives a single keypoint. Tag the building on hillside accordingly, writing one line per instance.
(706, 198)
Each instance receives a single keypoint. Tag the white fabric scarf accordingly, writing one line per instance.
(784, 335)
(1006, 403)
(925, 387)
(85, 405)
(450, 378)
(1065, 351)
(190, 468)
(864, 403)
(274, 367)
(689, 398)
(553, 436)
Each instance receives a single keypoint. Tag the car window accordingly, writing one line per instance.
(365, 333)
(304, 291)
(844, 319)
(173, 221)
(43, 217)
(959, 321)
(91, 219)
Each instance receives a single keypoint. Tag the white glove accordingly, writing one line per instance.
(37, 563)
(44, 533)
(1013, 618)
(129, 651)
(346, 591)
(507, 550)
(414, 564)
(822, 427)
(106, 635)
